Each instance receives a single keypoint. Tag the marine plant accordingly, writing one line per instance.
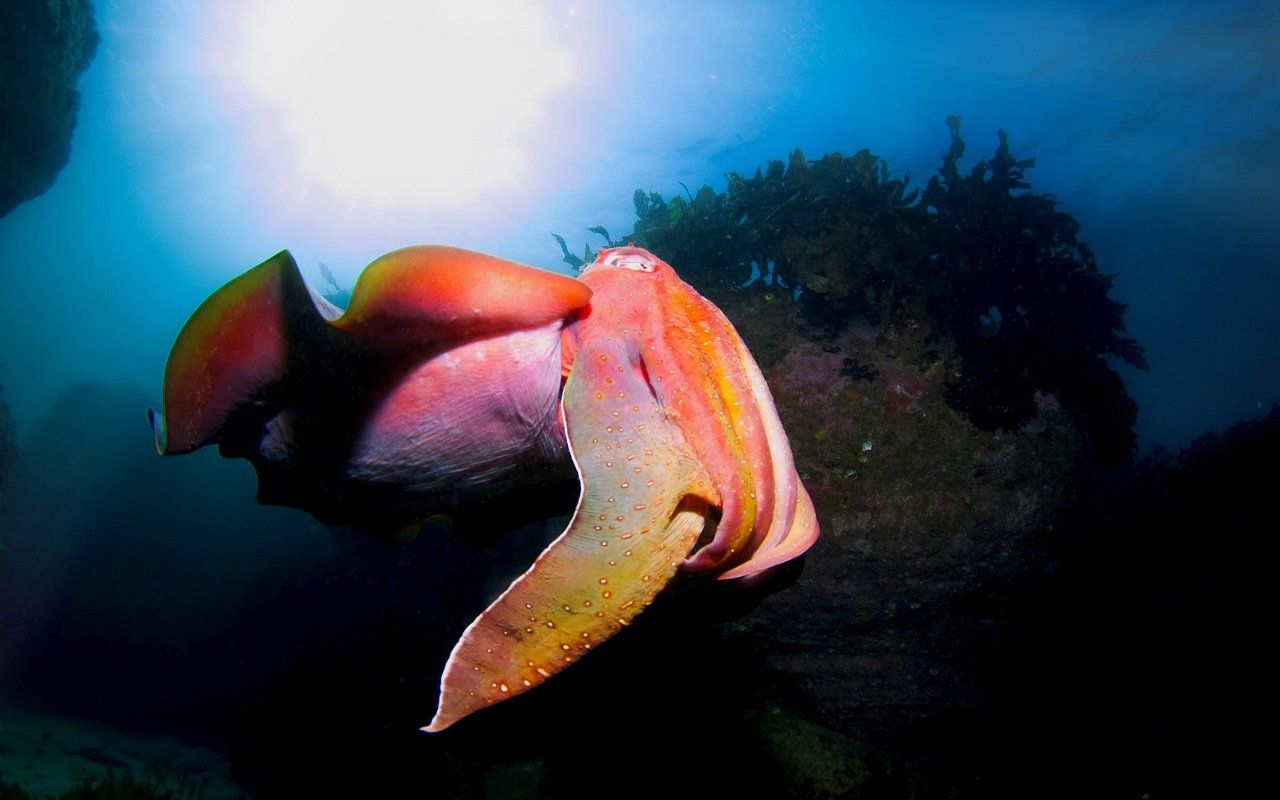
(588, 255)
(994, 271)
(337, 294)
(1022, 298)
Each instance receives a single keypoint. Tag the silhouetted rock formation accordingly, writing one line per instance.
(44, 46)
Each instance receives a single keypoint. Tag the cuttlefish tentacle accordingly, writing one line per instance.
(793, 527)
(775, 520)
(698, 375)
(644, 500)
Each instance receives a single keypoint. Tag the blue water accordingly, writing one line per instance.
(1157, 125)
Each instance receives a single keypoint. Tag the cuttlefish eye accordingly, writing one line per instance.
(636, 261)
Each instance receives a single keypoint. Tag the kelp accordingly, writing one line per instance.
(336, 293)
(994, 270)
(588, 255)
(1021, 296)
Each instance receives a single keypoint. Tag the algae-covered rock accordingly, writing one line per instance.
(44, 46)
(930, 526)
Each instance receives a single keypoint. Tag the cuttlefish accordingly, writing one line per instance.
(454, 377)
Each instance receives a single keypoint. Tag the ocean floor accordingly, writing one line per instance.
(47, 755)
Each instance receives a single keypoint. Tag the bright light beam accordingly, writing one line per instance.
(393, 104)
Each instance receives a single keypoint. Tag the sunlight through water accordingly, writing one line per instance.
(389, 104)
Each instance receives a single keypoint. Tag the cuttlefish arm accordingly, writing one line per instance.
(644, 502)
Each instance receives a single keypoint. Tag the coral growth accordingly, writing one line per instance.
(44, 46)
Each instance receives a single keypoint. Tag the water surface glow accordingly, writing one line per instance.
(389, 103)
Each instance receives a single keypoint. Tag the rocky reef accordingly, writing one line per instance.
(44, 46)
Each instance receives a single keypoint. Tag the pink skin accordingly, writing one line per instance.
(451, 424)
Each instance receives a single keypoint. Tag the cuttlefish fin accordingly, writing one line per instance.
(644, 503)
(244, 339)
(232, 349)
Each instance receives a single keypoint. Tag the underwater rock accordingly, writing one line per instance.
(44, 46)
(938, 516)
(939, 361)
(45, 756)
(807, 760)
(933, 525)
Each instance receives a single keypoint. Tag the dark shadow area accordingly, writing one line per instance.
(1135, 668)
